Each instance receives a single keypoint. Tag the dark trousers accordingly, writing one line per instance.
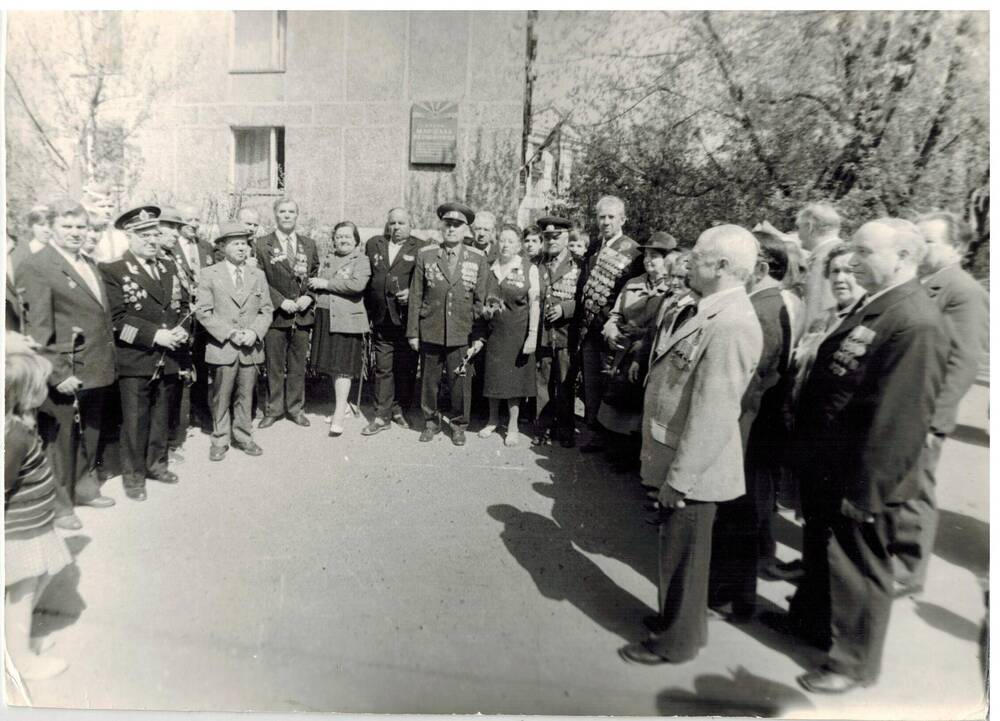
(438, 361)
(593, 361)
(180, 413)
(395, 370)
(914, 525)
(554, 392)
(286, 350)
(72, 448)
(685, 552)
(860, 595)
(146, 427)
(232, 399)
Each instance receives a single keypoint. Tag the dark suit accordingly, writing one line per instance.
(448, 309)
(395, 361)
(965, 307)
(864, 413)
(286, 345)
(742, 526)
(554, 385)
(141, 305)
(491, 254)
(57, 299)
(603, 274)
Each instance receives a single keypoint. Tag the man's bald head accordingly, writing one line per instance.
(484, 228)
(250, 218)
(886, 251)
(724, 257)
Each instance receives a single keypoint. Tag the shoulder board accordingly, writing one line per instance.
(475, 250)
(638, 282)
(428, 249)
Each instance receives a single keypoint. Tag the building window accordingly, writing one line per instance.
(259, 160)
(258, 41)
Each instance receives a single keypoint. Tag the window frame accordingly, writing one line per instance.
(276, 161)
(279, 38)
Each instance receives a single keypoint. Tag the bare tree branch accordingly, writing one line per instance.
(35, 122)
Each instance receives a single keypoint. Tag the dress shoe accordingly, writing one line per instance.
(300, 419)
(825, 680)
(400, 420)
(136, 493)
(640, 653)
(68, 523)
(427, 435)
(267, 421)
(375, 426)
(250, 448)
(458, 437)
(217, 453)
(164, 476)
(98, 502)
(780, 571)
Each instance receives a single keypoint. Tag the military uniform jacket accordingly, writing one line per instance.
(56, 299)
(286, 276)
(602, 278)
(446, 309)
(187, 274)
(140, 306)
(221, 309)
(866, 406)
(558, 280)
(389, 278)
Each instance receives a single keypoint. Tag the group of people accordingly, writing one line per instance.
(748, 370)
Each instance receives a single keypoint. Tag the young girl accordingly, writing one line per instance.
(34, 553)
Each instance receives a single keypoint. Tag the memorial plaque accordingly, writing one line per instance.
(434, 133)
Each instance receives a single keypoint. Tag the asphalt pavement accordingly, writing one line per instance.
(385, 575)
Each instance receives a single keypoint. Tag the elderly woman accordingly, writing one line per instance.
(635, 310)
(341, 320)
(512, 309)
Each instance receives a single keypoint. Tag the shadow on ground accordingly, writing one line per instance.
(963, 541)
(61, 605)
(970, 434)
(740, 694)
(545, 550)
(948, 621)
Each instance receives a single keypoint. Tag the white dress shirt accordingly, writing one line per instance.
(84, 270)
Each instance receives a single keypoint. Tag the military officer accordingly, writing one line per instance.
(559, 274)
(393, 257)
(447, 293)
(149, 310)
(602, 277)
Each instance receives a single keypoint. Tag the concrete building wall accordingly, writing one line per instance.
(344, 100)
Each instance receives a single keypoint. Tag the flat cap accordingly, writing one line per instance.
(145, 216)
(660, 240)
(230, 230)
(170, 214)
(456, 211)
(553, 225)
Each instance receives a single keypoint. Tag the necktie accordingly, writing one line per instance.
(239, 278)
(452, 260)
(151, 265)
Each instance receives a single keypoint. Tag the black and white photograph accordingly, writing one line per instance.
(565, 362)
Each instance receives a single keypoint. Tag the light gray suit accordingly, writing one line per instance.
(221, 310)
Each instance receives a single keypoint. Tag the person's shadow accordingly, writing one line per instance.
(545, 550)
(61, 605)
(963, 541)
(739, 694)
(601, 509)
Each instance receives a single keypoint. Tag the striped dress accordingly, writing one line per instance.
(32, 547)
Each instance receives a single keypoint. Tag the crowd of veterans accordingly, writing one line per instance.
(736, 374)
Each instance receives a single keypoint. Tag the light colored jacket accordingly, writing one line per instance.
(221, 309)
(694, 391)
(348, 277)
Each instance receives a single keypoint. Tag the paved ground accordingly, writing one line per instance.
(385, 575)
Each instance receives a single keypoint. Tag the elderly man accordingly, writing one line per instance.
(965, 306)
(602, 276)
(702, 361)
(149, 309)
(251, 219)
(447, 291)
(67, 312)
(818, 226)
(287, 259)
(485, 235)
(862, 420)
(393, 257)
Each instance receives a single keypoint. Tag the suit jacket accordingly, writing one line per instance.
(22, 251)
(492, 254)
(558, 280)
(57, 299)
(448, 307)
(140, 306)
(773, 367)
(221, 309)
(697, 377)
(187, 273)
(965, 305)
(348, 277)
(380, 299)
(603, 274)
(282, 279)
(866, 407)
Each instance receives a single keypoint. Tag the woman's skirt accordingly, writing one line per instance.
(338, 355)
(33, 553)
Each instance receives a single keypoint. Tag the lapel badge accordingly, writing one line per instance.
(862, 334)
(71, 283)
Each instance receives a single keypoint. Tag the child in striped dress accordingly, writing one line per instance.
(33, 553)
